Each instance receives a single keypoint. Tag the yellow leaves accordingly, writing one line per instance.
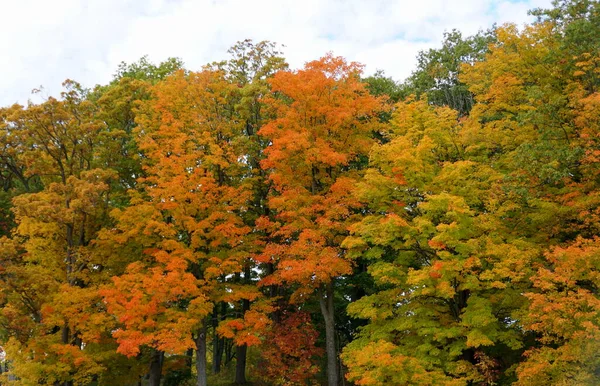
(386, 273)
(374, 307)
(381, 363)
(46, 360)
(432, 281)
(354, 243)
(79, 309)
(476, 338)
(416, 119)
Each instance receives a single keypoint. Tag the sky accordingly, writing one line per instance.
(44, 42)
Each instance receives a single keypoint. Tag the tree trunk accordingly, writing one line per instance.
(241, 351)
(240, 365)
(155, 372)
(326, 303)
(201, 357)
(217, 347)
(228, 355)
(189, 361)
(64, 336)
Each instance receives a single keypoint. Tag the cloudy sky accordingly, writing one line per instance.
(45, 42)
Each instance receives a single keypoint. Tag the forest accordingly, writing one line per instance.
(249, 223)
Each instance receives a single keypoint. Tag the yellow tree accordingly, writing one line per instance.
(435, 259)
(50, 271)
(461, 214)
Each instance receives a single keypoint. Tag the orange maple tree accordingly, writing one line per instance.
(324, 120)
(190, 210)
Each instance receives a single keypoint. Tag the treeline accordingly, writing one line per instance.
(307, 226)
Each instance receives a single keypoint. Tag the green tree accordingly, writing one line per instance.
(437, 73)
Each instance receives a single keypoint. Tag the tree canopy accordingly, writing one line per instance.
(255, 224)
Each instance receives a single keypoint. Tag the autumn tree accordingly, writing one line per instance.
(323, 126)
(289, 356)
(435, 260)
(456, 213)
(191, 209)
(48, 263)
(248, 70)
(563, 311)
(462, 211)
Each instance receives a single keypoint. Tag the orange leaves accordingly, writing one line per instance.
(326, 124)
(247, 330)
(187, 217)
(324, 119)
(565, 292)
(309, 262)
(563, 310)
(159, 306)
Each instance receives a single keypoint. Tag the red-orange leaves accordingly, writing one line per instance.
(319, 140)
(324, 118)
(156, 306)
(288, 353)
(246, 331)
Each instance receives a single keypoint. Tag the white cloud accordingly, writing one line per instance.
(44, 42)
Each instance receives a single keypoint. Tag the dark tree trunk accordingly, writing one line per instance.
(240, 353)
(240, 365)
(201, 357)
(189, 361)
(326, 303)
(155, 372)
(228, 354)
(217, 346)
(64, 336)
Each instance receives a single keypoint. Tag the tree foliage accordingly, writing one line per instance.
(314, 223)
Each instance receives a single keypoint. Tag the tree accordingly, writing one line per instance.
(323, 126)
(563, 310)
(438, 70)
(191, 207)
(248, 70)
(50, 254)
(437, 314)
(460, 212)
(288, 353)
